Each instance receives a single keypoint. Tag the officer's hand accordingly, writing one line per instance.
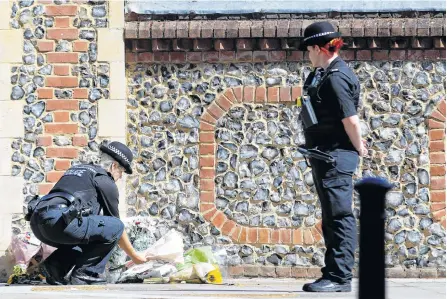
(138, 259)
(363, 151)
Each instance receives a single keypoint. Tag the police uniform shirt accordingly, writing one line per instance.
(93, 186)
(337, 98)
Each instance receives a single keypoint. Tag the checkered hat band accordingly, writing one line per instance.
(119, 153)
(318, 35)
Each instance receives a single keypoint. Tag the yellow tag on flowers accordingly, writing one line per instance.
(298, 101)
(214, 277)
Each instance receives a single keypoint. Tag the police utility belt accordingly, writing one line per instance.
(72, 212)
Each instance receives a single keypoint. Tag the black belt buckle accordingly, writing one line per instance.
(86, 212)
(73, 212)
(70, 214)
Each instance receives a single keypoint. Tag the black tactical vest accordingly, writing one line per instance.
(79, 181)
(330, 131)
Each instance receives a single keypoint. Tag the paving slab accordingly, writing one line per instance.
(235, 288)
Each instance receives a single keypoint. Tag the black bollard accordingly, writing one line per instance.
(372, 193)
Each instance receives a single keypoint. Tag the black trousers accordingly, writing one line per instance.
(85, 245)
(334, 185)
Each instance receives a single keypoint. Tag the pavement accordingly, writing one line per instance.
(234, 288)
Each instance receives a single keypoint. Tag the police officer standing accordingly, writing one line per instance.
(335, 98)
(69, 218)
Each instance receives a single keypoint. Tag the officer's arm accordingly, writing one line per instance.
(352, 128)
(345, 106)
(126, 246)
(108, 195)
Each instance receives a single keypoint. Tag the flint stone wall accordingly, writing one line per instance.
(261, 180)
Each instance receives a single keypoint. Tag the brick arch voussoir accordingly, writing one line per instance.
(207, 152)
(436, 132)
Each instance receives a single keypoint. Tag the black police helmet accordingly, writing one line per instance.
(318, 33)
(120, 152)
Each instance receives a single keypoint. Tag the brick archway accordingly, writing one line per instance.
(239, 233)
(436, 132)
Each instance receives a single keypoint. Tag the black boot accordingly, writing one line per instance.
(79, 277)
(52, 274)
(306, 285)
(326, 285)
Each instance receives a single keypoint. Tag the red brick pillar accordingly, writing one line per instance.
(60, 80)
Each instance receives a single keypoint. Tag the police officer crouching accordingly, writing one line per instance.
(334, 93)
(69, 218)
